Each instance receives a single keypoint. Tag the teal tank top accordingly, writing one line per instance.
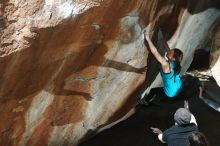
(172, 84)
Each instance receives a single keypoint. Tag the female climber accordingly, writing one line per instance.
(170, 69)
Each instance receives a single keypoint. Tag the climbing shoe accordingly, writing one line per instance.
(146, 101)
(143, 102)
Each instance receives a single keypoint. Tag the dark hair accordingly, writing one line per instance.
(177, 56)
(197, 139)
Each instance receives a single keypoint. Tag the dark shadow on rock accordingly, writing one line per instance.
(200, 60)
(71, 92)
(195, 7)
(170, 23)
(121, 66)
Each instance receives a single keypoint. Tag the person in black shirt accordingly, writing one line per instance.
(177, 135)
(197, 139)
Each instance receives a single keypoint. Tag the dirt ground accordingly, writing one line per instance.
(135, 131)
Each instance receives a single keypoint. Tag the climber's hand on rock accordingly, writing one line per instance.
(147, 35)
(156, 130)
(148, 32)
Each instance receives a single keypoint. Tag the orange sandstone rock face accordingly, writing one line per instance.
(69, 68)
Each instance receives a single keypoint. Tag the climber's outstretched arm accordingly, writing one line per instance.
(156, 54)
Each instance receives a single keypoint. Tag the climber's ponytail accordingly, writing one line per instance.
(177, 58)
(177, 67)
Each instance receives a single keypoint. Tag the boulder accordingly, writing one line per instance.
(70, 68)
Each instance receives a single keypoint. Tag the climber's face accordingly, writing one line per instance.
(169, 55)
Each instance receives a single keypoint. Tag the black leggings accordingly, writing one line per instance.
(157, 93)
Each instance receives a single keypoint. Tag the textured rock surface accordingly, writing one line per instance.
(69, 68)
(215, 51)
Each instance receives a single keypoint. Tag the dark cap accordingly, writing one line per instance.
(182, 116)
